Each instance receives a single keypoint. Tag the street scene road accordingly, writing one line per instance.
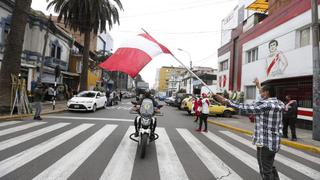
(76, 145)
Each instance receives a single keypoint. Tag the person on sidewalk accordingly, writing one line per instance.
(51, 93)
(267, 130)
(204, 104)
(197, 108)
(38, 97)
(120, 96)
(290, 117)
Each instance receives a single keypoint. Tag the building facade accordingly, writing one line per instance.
(276, 49)
(165, 74)
(57, 50)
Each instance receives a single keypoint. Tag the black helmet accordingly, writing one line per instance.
(147, 93)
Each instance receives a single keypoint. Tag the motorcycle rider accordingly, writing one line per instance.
(147, 95)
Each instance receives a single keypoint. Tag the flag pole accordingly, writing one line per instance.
(188, 69)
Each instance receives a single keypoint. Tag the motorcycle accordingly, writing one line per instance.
(145, 123)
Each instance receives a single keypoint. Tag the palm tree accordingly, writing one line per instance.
(12, 53)
(87, 16)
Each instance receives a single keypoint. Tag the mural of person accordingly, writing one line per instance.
(276, 60)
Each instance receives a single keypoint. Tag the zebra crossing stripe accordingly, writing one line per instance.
(169, 164)
(20, 139)
(20, 128)
(301, 154)
(122, 161)
(14, 162)
(88, 118)
(65, 166)
(238, 153)
(9, 123)
(215, 165)
(279, 157)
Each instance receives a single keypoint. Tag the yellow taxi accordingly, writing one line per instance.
(185, 102)
(215, 108)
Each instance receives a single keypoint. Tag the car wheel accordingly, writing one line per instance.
(227, 113)
(94, 108)
(189, 112)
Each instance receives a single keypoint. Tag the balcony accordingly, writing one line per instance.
(53, 62)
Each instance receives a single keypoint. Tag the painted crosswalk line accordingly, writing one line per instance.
(9, 123)
(214, 164)
(65, 166)
(314, 174)
(238, 153)
(25, 137)
(88, 118)
(20, 128)
(169, 164)
(12, 163)
(121, 164)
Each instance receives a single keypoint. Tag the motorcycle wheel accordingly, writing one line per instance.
(143, 145)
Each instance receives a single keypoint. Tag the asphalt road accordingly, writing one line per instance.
(88, 146)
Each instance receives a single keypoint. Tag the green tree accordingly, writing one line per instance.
(12, 53)
(87, 16)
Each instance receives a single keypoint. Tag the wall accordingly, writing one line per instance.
(223, 76)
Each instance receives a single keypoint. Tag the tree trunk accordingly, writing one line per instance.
(12, 53)
(85, 61)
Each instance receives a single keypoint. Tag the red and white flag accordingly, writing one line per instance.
(134, 54)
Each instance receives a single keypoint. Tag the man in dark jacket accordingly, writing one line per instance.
(38, 97)
(290, 118)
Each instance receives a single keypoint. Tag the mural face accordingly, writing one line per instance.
(276, 60)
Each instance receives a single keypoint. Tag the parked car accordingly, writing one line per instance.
(215, 108)
(169, 101)
(184, 103)
(179, 98)
(162, 98)
(87, 101)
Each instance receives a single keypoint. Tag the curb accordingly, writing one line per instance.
(296, 145)
(14, 117)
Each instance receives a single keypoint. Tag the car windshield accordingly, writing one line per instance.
(87, 94)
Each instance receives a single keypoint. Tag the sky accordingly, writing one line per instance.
(191, 25)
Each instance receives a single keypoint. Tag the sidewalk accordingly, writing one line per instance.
(46, 109)
(243, 125)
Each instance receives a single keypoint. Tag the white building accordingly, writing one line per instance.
(276, 49)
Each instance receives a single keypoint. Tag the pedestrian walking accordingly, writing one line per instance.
(50, 93)
(267, 129)
(197, 109)
(204, 103)
(38, 97)
(120, 96)
(290, 117)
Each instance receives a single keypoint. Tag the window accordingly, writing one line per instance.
(55, 50)
(224, 65)
(250, 92)
(252, 55)
(304, 37)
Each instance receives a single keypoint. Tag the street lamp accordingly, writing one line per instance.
(190, 66)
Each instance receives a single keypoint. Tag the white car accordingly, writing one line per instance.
(87, 101)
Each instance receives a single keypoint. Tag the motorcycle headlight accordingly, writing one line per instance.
(145, 122)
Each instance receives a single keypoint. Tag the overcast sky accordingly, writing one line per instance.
(192, 25)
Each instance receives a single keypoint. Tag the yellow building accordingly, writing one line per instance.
(165, 73)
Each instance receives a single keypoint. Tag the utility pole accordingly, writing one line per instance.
(316, 70)
(46, 36)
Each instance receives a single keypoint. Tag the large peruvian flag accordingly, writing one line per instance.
(134, 54)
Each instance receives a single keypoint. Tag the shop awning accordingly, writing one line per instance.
(259, 5)
(69, 73)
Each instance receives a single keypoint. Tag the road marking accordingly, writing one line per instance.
(238, 153)
(279, 157)
(169, 164)
(121, 164)
(88, 118)
(215, 165)
(20, 128)
(9, 123)
(14, 162)
(23, 138)
(65, 166)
